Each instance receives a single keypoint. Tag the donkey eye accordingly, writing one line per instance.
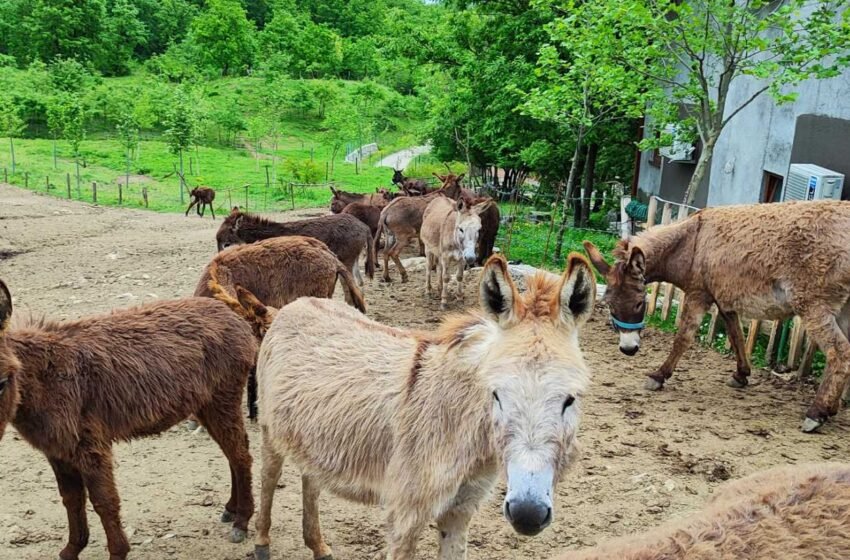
(496, 398)
(567, 403)
(460, 229)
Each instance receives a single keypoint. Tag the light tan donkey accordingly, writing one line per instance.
(449, 233)
(423, 423)
(798, 512)
(762, 261)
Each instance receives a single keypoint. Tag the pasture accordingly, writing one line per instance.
(647, 457)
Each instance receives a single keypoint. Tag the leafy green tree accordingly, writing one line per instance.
(128, 133)
(688, 54)
(310, 49)
(228, 119)
(224, 36)
(325, 93)
(63, 28)
(181, 130)
(11, 124)
(340, 127)
(123, 33)
(258, 127)
(166, 21)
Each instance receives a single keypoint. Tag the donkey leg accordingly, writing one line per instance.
(212, 210)
(223, 421)
(252, 394)
(400, 244)
(96, 468)
(404, 530)
(310, 520)
(459, 277)
(444, 283)
(429, 258)
(191, 204)
(695, 307)
(387, 248)
(73, 492)
(824, 329)
(355, 271)
(454, 523)
(736, 338)
(272, 466)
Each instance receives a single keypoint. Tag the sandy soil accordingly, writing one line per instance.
(647, 457)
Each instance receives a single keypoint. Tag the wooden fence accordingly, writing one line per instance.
(785, 338)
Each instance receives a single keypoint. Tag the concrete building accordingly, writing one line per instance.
(754, 152)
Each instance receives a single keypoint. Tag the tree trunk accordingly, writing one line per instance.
(568, 194)
(702, 166)
(55, 163)
(181, 177)
(12, 152)
(127, 171)
(77, 163)
(589, 179)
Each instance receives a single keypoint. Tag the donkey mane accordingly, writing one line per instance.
(254, 219)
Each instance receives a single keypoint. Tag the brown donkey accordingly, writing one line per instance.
(798, 512)
(200, 198)
(73, 388)
(423, 423)
(764, 261)
(346, 236)
(341, 199)
(402, 219)
(366, 213)
(274, 272)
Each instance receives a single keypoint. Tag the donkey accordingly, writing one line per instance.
(402, 218)
(799, 511)
(341, 199)
(70, 391)
(763, 261)
(346, 236)
(490, 220)
(410, 186)
(422, 423)
(274, 272)
(450, 234)
(369, 214)
(200, 198)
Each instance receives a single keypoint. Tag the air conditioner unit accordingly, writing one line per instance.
(807, 181)
(681, 151)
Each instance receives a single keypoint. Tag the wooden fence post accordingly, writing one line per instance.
(752, 336)
(246, 198)
(712, 325)
(26, 179)
(145, 195)
(806, 361)
(94, 191)
(796, 342)
(770, 353)
(68, 183)
(120, 193)
(5, 175)
(671, 292)
(47, 183)
(230, 198)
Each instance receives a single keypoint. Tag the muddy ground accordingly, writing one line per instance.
(647, 457)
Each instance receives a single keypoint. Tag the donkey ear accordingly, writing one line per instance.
(237, 224)
(461, 205)
(578, 290)
(596, 258)
(5, 306)
(460, 177)
(497, 293)
(440, 177)
(250, 301)
(637, 262)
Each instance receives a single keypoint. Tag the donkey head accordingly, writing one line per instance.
(9, 364)
(228, 232)
(536, 374)
(398, 176)
(467, 228)
(337, 203)
(451, 186)
(626, 292)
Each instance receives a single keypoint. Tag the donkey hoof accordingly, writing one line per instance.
(261, 552)
(238, 535)
(653, 384)
(809, 426)
(736, 383)
(228, 516)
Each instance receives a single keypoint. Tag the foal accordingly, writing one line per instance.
(422, 423)
(201, 197)
(73, 388)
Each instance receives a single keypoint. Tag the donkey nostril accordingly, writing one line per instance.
(508, 511)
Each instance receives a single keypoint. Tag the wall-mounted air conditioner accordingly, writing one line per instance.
(807, 181)
(681, 151)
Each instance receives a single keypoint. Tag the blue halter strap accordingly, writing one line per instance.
(626, 326)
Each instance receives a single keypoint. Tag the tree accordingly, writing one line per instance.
(73, 119)
(62, 28)
(325, 93)
(123, 33)
(181, 130)
(258, 127)
(688, 54)
(11, 124)
(128, 132)
(224, 36)
(340, 126)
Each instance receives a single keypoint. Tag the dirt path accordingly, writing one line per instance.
(647, 457)
(400, 159)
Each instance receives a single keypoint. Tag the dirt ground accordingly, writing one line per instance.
(647, 457)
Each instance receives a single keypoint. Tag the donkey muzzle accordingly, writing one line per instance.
(528, 503)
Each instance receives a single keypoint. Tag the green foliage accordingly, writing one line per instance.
(224, 37)
(11, 123)
(181, 122)
(304, 171)
(123, 33)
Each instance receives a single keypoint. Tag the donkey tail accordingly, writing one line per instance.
(353, 295)
(370, 255)
(245, 304)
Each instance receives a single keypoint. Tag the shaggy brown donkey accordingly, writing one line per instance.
(366, 213)
(201, 197)
(411, 186)
(72, 388)
(275, 272)
(341, 199)
(346, 236)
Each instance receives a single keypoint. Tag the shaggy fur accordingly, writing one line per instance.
(450, 232)
(346, 236)
(789, 513)
(422, 422)
(402, 218)
(366, 213)
(201, 197)
(763, 261)
(274, 272)
(410, 186)
(341, 199)
(72, 388)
